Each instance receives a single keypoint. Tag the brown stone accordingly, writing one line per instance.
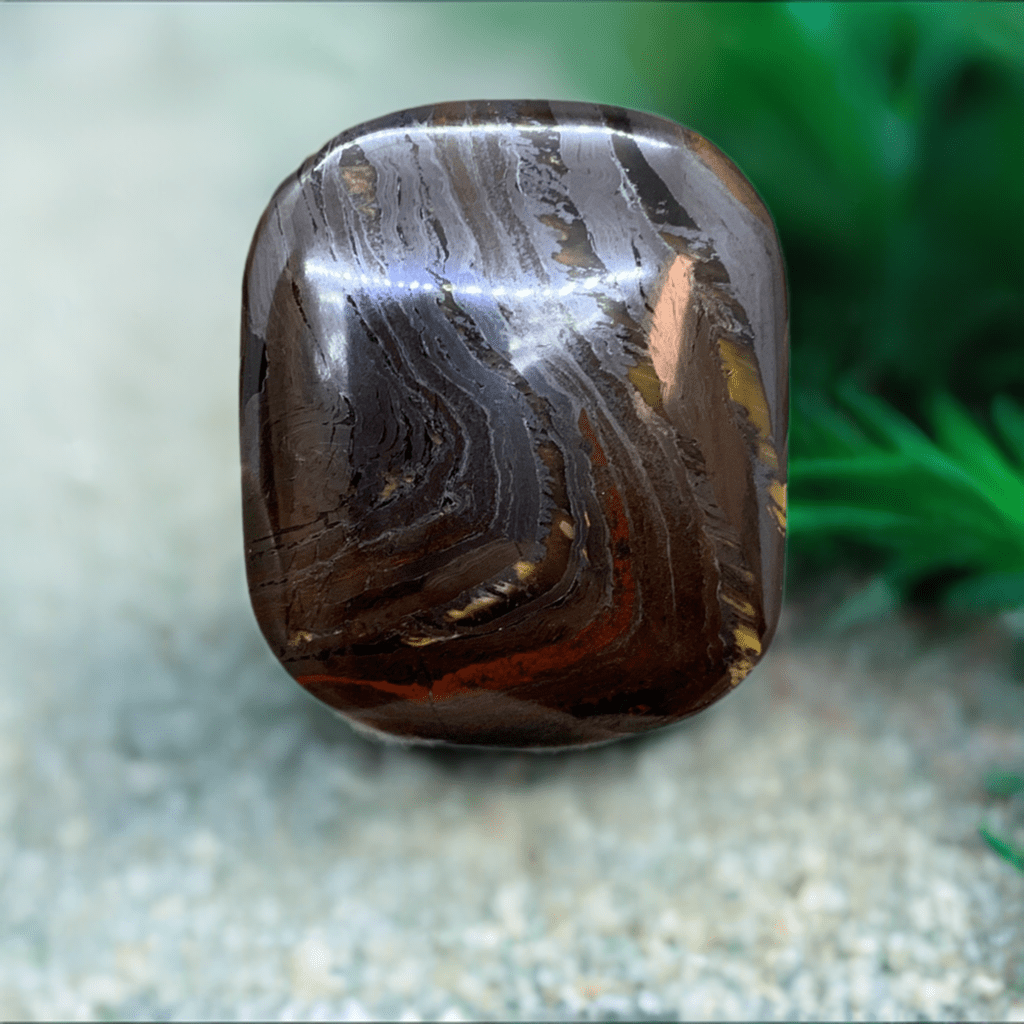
(513, 413)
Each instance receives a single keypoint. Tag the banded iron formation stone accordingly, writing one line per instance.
(514, 401)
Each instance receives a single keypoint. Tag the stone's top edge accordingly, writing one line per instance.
(539, 114)
(524, 114)
(506, 111)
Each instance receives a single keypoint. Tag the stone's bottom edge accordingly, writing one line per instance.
(510, 719)
(381, 736)
(482, 719)
(391, 739)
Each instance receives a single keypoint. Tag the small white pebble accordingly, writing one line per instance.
(986, 985)
(822, 898)
(648, 1002)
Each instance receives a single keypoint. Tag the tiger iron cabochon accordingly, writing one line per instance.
(514, 397)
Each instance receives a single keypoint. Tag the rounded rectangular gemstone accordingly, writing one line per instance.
(514, 395)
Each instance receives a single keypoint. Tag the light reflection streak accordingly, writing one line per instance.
(402, 135)
(333, 285)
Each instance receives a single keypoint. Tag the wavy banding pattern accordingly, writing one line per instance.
(513, 417)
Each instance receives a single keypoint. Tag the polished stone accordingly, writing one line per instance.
(513, 417)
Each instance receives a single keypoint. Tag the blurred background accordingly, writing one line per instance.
(185, 834)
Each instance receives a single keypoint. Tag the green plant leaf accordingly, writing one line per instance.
(933, 497)
(825, 429)
(1006, 850)
(809, 517)
(959, 506)
(961, 437)
(1002, 783)
(992, 591)
(888, 424)
(1009, 421)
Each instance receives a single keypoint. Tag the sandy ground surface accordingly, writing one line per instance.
(184, 834)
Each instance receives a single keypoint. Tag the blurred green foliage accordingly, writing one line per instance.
(954, 504)
(888, 141)
(1001, 783)
(1003, 847)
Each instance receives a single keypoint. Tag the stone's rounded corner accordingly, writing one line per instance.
(513, 406)
(737, 183)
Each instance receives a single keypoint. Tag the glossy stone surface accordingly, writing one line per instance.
(513, 417)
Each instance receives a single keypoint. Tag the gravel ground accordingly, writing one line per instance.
(184, 834)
